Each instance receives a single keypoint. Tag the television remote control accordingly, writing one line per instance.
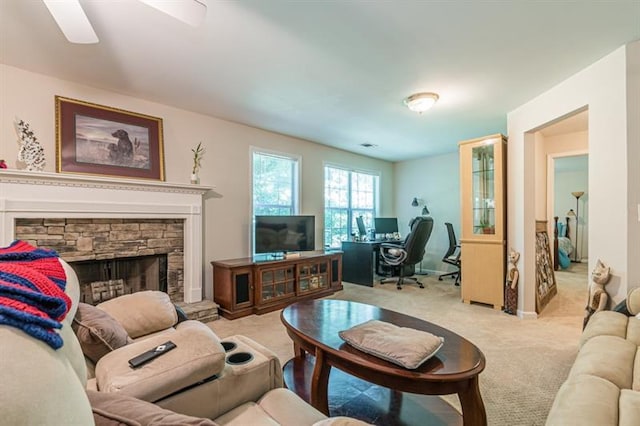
(147, 356)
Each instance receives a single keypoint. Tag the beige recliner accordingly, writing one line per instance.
(43, 386)
(197, 377)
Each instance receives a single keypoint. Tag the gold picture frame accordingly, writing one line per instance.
(101, 140)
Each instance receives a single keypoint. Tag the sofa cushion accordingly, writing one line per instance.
(633, 330)
(248, 413)
(608, 357)
(111, 409)
(629, 408)
(585, 400)
(341, 421)
(39, 385)
(98, 332)
(605, 323)
(296, 412)
(143, 312)
(198, 355)
(277, 407)
(633, 301)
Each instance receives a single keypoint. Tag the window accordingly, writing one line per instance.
(275, 184)
(347, 195)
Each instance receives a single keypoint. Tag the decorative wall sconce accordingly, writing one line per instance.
(414, 203)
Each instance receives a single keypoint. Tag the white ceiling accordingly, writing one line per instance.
(333, 72)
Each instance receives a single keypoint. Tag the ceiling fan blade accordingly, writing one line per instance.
(191, 12)
(72, 21)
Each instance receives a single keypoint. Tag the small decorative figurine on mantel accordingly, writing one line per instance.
(30, 152)
(598, 297)
(511, 286)
(198, 152)
(3, 165)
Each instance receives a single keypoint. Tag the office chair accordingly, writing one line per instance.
(402, 257)
(452, 256)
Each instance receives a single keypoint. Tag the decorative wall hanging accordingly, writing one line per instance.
(96, 139)
(545, 277)
(30, 153)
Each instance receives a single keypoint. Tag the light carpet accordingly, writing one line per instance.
(526, 360)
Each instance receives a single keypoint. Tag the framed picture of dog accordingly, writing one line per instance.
(100, 140)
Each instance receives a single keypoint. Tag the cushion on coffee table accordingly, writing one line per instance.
(404, 346)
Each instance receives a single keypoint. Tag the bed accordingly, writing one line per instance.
(562, 244)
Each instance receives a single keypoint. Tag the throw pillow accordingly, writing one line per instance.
(404, 346)
(98, 332)
(633, 301)
(113, 409)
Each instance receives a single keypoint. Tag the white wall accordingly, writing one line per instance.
(602, 88)
(226, 163)
(436, 181)
(633, 161)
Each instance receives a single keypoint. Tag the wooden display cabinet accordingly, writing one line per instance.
(483, 203)
(246, 286)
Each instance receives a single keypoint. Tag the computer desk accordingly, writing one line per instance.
(361, 261)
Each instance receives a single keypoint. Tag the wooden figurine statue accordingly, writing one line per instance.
(598, 297)
(511, 286)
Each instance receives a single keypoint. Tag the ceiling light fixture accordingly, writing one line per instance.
(420, 102)
(191, 12)
(72, 20)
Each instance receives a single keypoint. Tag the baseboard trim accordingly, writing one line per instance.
(527, 315)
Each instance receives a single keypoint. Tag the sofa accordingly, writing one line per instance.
(193, 384)
(603, 386)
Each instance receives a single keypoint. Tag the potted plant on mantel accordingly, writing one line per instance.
(198, 153)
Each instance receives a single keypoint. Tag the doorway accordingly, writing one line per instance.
(565, 145)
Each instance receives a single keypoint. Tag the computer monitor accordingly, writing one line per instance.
(385, 225)
(361, 229)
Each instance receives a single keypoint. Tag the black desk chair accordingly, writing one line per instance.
(452, 256)
(402, 257)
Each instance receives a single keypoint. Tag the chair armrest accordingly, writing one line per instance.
(393, 254)
(399, 244)
(198, 355)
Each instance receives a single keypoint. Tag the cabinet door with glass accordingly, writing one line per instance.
(313, 276)
(276, 283)
(483, 203)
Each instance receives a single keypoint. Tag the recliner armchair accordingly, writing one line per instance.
(402, 258)
(45, 386)
(452, 256)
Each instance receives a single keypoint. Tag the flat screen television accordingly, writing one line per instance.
(282, 234)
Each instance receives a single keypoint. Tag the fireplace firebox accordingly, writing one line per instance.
(101, 280)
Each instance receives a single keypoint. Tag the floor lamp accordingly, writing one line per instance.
(576, 194)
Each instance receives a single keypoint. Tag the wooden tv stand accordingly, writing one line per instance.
(248, 285)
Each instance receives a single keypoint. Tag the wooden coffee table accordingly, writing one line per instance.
(313, 325)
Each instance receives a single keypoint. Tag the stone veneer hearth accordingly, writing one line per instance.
(98, 239)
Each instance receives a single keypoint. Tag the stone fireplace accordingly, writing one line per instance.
(144, 254)
(87, 218)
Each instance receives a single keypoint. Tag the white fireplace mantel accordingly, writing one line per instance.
(56, 195)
